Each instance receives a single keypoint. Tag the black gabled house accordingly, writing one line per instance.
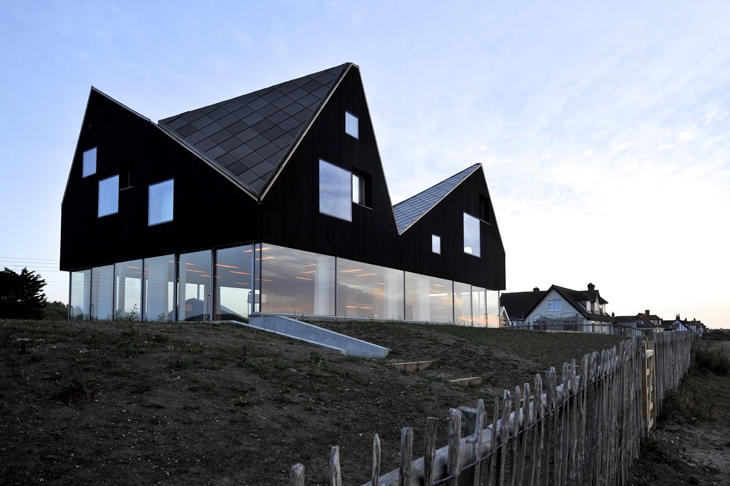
(271, 202)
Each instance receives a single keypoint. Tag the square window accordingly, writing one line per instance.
(108, 196)
(472, 244)
(436, 244)
(89, 162)
(161, 199)
(351, 125)
(335, 191)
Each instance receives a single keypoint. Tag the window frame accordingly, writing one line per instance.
(112, 196)
(161, 205)
(551, 307)
(352, 124)
(88, 166)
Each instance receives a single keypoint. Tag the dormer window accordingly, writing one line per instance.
(352, 125)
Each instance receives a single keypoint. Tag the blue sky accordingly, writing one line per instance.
(604, 130)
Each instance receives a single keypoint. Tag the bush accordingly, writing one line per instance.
(21, 295)
(714, 359)
(55, 311)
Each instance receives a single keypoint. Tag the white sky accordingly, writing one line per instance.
(603, 129)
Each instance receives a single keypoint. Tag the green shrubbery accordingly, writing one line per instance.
(714, 359)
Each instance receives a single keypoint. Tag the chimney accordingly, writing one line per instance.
(591, 287)
(677, 316)
(535, 289)
(647, 312)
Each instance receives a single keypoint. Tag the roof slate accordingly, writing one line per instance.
(412, 209)
(249, 136)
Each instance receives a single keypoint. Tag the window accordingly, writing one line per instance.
(89, 162)
(436, 244)
(471, 236)
(351, 125)
(335, 191)
(108, 196)
(554, 305)
(161, 202)
(358, 189)
(484, 208)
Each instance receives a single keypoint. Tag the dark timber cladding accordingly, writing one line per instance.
(247, 170)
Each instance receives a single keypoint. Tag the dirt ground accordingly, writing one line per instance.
(219, 404)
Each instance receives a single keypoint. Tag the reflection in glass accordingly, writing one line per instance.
(365, 290)
(161, 197)
(89, 163)
(102, 293)
(428, 299)
(493, 308)
(159, 284)
(462, 304)
(194, 287)
(128, 290)
(335, 188)
(108, 196)
(436, 244)
(80, 293)
(471, 236)
(352, 125)
(233, 283)
(296, 282)
(479, 306)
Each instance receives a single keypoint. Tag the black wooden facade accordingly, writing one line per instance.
(214, 209)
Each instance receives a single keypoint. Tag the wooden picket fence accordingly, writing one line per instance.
(580, 426)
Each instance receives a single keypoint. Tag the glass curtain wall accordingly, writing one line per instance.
(128, 290)
(233, 283)
(80, 295)
(194, 287)
(102, 293)
(462, 304)
(365, 290)
(479, 306)
(159, 288)
(428, 299)
(493, 308)
(296, 282)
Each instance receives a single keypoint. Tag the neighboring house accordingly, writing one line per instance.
(558, 308)
(271, 202)
(679, 324)
(644, 322)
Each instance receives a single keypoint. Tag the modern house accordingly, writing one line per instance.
(558, 308)
(274, 202)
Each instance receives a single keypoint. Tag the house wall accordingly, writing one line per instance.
(541, 308)
(209, 210)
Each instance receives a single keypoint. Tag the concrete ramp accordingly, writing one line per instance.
(318, 336)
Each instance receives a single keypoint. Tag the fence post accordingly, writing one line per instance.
(429, 450)
(376, 461)
(504, 436)
(296, 475)
(477, 471)
(454, 446)
(406, 454)
(334, 472)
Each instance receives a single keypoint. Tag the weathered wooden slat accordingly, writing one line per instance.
(376, 461)
(525, 430)
(478, 426)
(296, 475)
(429, 446)
(503, 437)
(454, 446)
(406, 456)
(515, 439)
(539, 435)
(493, 445)
(335, 476)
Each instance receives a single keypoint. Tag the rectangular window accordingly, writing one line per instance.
(351, 125)
(484, 209)
(335, 191)
(472, 244)
(233, 283)
(358, 189)
(159, 282)
(436, 244)
(194, 292)
(108, 196)
(89, 166)
(554, 305)
(161, 202)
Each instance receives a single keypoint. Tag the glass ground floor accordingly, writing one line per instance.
(232, 283)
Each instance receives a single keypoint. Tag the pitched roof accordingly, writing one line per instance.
(519, 304)
(575, 296)
(249, 136)
(412, 209)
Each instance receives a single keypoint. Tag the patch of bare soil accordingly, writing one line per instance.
(182, 403)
